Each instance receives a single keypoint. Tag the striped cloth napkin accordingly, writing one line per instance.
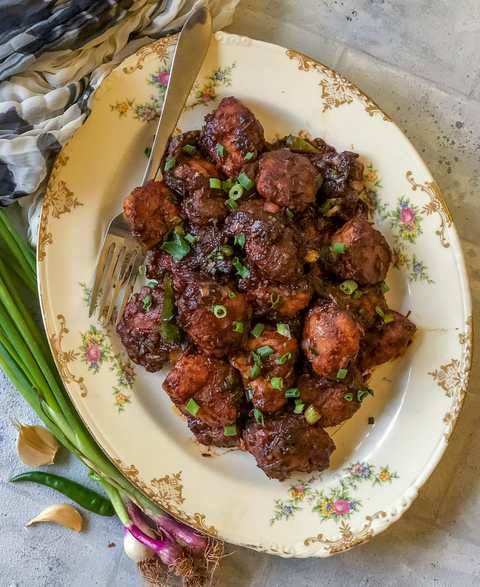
(54, 54)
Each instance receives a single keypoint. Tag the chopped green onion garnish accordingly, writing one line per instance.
(220, 149)
(238, 327)
(192, 407)
(338, 248)
(170, 332)
(168, 308)
(348, 397)
(152, 283)
(299, 407)
(190, 238)
(275, 299)
(371, 421)
(357, 294)
(379, 311)
(170, 163)
(231, 204)
(388, 318)
(230, 430)
(245, 181)
(258, 416)
(384, 287)
(312, 415)
(147, 302)
(257, 330)
(284, 330)
(290, 214)
(342, 373)
(277, 382)
(215, 183)
(179, 230)
(232, 295)
(178, 247)
(235, 192)
(249, 393)
(147, 151)
(227, 250)
(299, 144)
(255, 371)
(190, 149)
(242, 270)
(327, 206)
(349, 286)
(292, 392)
(264, 351)
(362, 394)
(249, 156)
(219, 311)
(239, 240)
(227, 184)
(283, 359)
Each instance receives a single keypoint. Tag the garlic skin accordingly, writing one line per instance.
(36, 446)
(63, 514)
(135, 550)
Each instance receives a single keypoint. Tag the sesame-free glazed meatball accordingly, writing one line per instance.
(213, 384)
(386, 342)
(365, 304)
(212, 435)
(331, 339)
(273, 249)
(287, 179)
(151, 211)
(267, 368)
(201, 203)
(279, 301)
(232, 136)
(140, 330)
(216, 317)
(286, 443)
(366, 256)
(335, 401)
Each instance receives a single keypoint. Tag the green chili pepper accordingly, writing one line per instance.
(87, 498)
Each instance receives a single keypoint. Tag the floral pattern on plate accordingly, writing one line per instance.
(337, 503)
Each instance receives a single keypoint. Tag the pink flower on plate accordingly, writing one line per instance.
(341, 507)
(162, 77)
(93, 353)
(407, 215)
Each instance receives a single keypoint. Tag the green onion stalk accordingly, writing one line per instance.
(26, 360)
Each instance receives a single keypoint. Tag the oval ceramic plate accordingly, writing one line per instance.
(378, 467)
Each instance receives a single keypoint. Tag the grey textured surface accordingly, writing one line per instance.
(420, 60)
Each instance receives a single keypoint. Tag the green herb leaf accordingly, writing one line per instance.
(264, 351)
(189, 149)
(283, 359)
(338, 248)
(230, 430)
(292, 392)
(219, 311)
(170, 163)
(342, 373)
(177, 246)
(257, 330)
(147, 302)
(242, 270)
(312, 415)
(284, 330)
(238, 326)
(277, 383)
(245, 181)
(192, 407)
(239, 240)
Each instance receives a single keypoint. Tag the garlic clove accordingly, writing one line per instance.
(36, 445)
(63, 514)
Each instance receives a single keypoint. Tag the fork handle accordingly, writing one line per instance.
(190, 52)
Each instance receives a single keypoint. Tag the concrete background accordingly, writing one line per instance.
(420, 60)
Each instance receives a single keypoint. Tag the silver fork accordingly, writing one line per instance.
(121, 256)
